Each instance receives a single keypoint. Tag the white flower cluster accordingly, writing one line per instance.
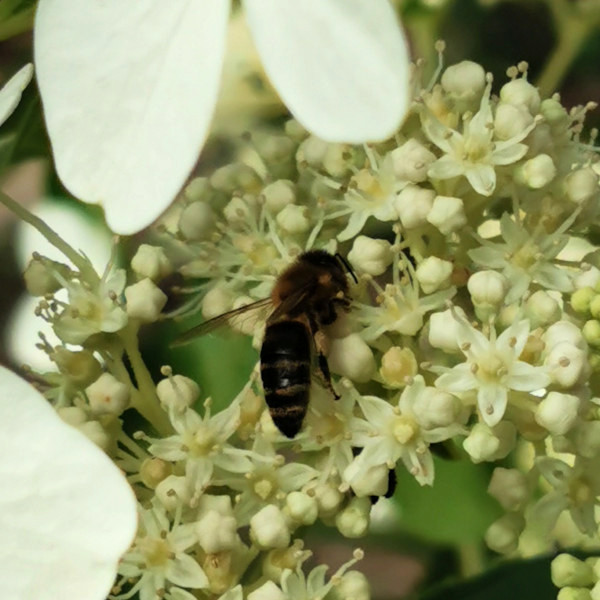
(461, 232)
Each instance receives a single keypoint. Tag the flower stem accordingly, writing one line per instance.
(146, 402)
(85, 268)
(573, 31)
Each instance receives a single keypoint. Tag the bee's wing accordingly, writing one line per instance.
(292, 302)
(216, 322)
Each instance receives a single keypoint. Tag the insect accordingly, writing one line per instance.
(305, 297)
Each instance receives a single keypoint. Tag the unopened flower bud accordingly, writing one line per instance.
(278, 195)
(153, 471)
(94, 431)
(434, 408)
(353, 521)
(413, 204)
(554, 112)
(312, 151)
(589, 277)
(537, 172)
(489, 444)
(581, 185)
(268, 528)
(329, 499)
(267, 591)
(561, 332)
(40, 276)
(581, 299)
(177, 392)
(370, 256)
(511, 120)
(594, 307)
(72, 415)
(172, 491)
(197, 221)
(144, 301)
(502, 536)
(353, 585)
(591, 332)
(487, 288)
(335, 161)
(587, 439)
(464, 81)
(237, 211)
(80, 366)
(509, 487)
(566, 364)
(196, 189)
(235, 177)
(302, 508)
(566, 570)
(107, 395)
(434, 274)
(557, 412)
(373, 481)
(217, 301)
(447, 214)
(520, 91)
(541, 309)
(152, 262)
(398, 365)
(293, 219)
(574, 593)
(411, 161)
(216, 532)
(443, 330)
(351, 357)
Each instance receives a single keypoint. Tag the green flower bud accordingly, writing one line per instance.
(581, 299)
(566, 570)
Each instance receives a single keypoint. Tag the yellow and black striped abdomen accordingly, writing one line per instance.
(285, 371)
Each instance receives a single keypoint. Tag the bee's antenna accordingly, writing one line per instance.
(346, 265)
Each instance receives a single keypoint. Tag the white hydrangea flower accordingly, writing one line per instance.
(404, 431)
(525, 256)
(87, 521)
(92, 310)
(158, 555)
(154, 92)
(473, 152)
(492, 368)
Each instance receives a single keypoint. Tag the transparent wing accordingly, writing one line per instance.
(216, 322)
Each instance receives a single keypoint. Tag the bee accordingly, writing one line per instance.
(306, 297)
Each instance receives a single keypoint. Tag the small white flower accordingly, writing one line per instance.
(159, 555)
(473, 152)
(370, 255)
(525, 256)
(268, 528)
(88, 520)
(126, 129)
(492, 368)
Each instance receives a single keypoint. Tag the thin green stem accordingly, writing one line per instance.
(573, 31)
(146, 402)
(85, 268)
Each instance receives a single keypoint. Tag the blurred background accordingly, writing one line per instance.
(559, 39)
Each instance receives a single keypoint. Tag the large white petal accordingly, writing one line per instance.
(128, 90)
(340, 66)
(66, 512)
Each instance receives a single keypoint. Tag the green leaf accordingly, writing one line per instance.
(16, 16)
(518, 580)
(457, 509)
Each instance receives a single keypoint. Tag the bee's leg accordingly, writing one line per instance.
(322, 364)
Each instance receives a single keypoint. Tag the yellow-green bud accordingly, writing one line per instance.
(595, 306)
(581, 299)
(574, 593)
(40, 277)
(591, 332)
(566, 570)
(79, 366)
(397, 366)
(153, 471)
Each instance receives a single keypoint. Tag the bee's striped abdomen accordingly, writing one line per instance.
(285, 371)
